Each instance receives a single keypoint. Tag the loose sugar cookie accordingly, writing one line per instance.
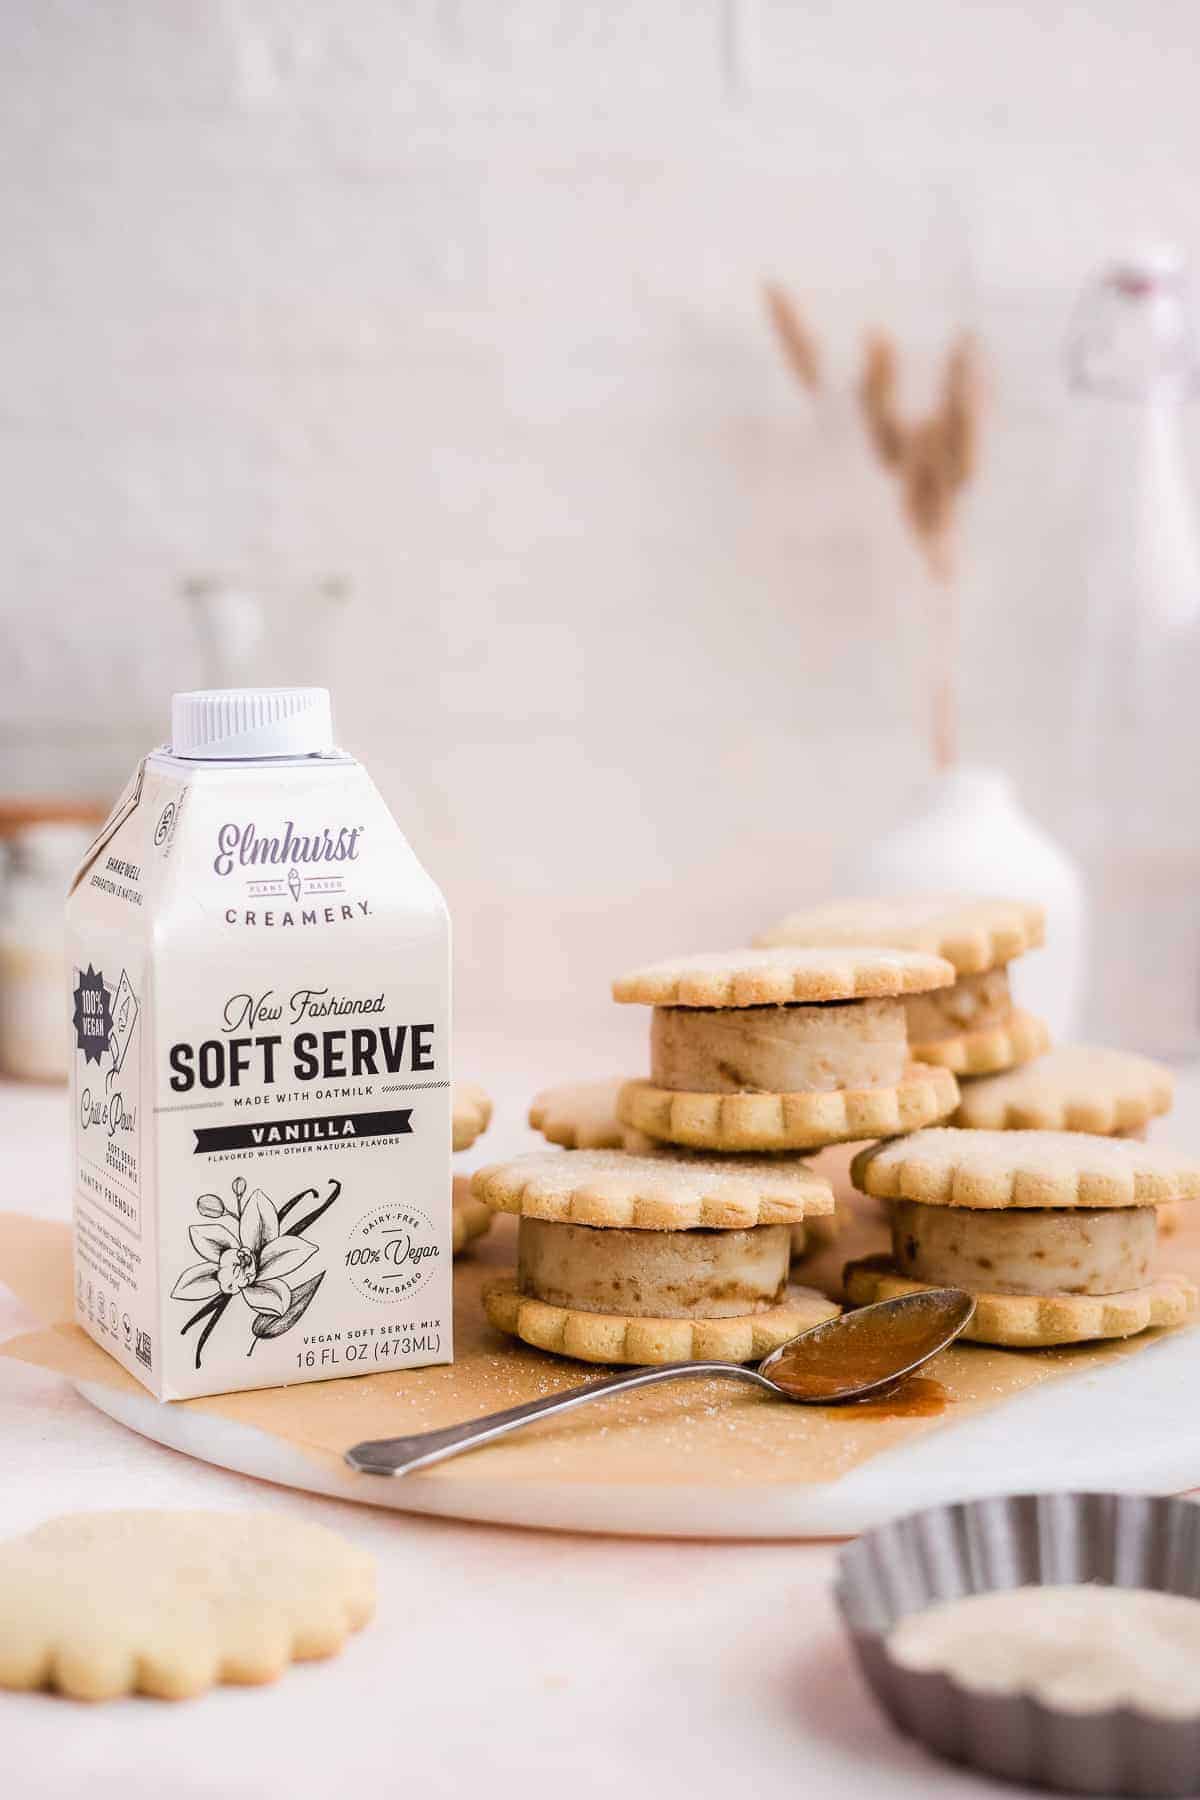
(102, 1604)
(613, 1338)
(472, 1114)
(654, 1192)
(1074, 1088)
(973, 1027)
(469, 1218)
(579, 1115)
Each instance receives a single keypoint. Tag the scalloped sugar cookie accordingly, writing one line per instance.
(948, 1166)
(616, 1338)
(972, 934)
(654, 1191)
(472, 1114)
(817, 1232)
(1035, 1322)
(804, 1121)
(1074, 1088)
(783, 977)
(97, 1605)
(974, 1027)
(469, 1218)
(579, 1115)
(1003, 1046)
(971, 1027)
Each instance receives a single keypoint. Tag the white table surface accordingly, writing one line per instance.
(508, 1662)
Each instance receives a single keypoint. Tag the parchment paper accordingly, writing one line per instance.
(679, 1434)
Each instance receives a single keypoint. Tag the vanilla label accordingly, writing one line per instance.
(259, 1007)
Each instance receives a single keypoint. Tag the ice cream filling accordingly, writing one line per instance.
(1050, 1250)
(974, 1003)
(778, 1049)
(654, 1274)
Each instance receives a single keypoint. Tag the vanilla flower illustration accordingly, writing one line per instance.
(244, 1253)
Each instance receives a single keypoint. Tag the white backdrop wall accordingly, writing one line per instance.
(458, 300)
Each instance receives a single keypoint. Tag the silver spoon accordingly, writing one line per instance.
(844, 1358)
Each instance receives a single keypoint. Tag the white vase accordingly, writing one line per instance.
(970, 835)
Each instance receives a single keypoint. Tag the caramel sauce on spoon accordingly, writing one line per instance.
(874, 1349)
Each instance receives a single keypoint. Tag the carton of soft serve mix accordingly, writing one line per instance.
(260, 1047)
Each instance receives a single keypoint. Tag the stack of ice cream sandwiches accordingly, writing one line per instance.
(659, 1228)
(677, 1244)
(1027, 1199)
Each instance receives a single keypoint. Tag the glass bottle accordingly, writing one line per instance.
(1133, 360)
(248, 631)
(34, 1037)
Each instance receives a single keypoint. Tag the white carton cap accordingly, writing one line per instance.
(219, 724)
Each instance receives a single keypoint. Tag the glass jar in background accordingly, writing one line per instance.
(252, 631)
(34, 1027)
(1133, 360)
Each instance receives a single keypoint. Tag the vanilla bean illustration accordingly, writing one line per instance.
(302, 1297)
(203, 1313)
(335, 1188)
(243, 1251)
(208, 1329)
